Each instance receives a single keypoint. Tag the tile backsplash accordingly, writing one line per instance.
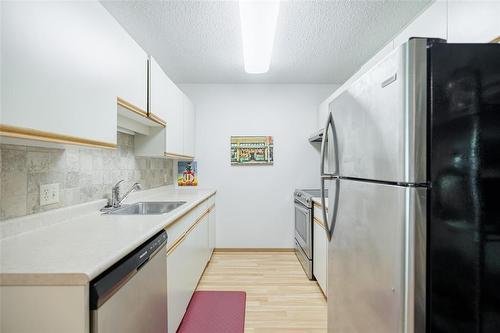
(82, 174)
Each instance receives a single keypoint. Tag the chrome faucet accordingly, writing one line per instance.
(116, 200)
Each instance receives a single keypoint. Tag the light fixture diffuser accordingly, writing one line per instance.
(258, 27)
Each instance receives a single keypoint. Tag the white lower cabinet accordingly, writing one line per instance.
(211, 231)
(320, 256)
(187, 257)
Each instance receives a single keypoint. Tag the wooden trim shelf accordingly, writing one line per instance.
(33, 134)
(157, 119)
(178, 156)
(131, 107)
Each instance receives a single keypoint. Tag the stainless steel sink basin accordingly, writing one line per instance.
(147, 208)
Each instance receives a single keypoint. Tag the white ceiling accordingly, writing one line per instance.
(316, 41)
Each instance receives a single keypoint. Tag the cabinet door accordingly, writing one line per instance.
(320, 253)
(160, 84)
(185, 266)
(211, 231)
(201, 238)
(174, 119)
(188, 126)
(473, 21)
(180, 281)
(55, 68)
(129, 68)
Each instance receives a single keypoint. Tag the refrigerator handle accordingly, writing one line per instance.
(323, 150)
(323, 209)
(329, 225)
(329, 124)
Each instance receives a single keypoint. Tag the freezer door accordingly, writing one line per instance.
(381, 119)
(464, 244)
(376, 259)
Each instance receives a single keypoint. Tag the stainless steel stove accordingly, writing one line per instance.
(303, 199)
(305, 196)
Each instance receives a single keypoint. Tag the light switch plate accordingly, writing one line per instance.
(49, 194)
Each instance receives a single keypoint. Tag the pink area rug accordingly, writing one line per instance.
(215, 312)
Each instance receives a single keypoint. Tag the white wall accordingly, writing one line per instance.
(255, 203)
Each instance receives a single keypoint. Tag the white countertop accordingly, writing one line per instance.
(79, 248)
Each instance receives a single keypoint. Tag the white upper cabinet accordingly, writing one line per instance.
(167, 103)
(175, 126)
(188, 126)
(160, 85)
(154, 143)
(473, 21)
(63, 66)
(170, 104)
(129, 67)
(431, 23)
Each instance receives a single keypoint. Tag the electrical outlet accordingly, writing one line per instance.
(49, 194)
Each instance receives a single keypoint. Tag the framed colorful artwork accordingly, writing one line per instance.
(252, 150)
(187, 173)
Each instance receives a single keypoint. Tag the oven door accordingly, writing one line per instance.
(303, 228)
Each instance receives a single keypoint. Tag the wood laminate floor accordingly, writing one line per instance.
(280, 298)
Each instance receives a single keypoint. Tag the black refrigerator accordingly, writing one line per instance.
(464, 195)
(411, 164)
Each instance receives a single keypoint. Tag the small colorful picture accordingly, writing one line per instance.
(247, 150)
(187, 173)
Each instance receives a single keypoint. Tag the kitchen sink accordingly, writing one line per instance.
(147, 208)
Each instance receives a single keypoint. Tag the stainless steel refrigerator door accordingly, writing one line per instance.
(381, 119)
(376, 259)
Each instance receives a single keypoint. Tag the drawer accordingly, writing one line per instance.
(179, 227)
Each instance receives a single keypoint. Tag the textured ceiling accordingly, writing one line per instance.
(316, 41)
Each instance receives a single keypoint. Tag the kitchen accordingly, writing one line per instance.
(163, 94)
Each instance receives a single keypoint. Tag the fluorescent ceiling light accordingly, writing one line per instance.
(258, 27)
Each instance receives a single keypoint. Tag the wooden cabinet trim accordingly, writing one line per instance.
(178, 156)
(189, 211)
(131, 107)
(33, 134)
(182, 237)
(157, 119)
(320, 223)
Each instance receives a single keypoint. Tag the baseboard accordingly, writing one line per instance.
(248, 249)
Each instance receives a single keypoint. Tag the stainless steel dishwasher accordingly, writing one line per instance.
(131, 296)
